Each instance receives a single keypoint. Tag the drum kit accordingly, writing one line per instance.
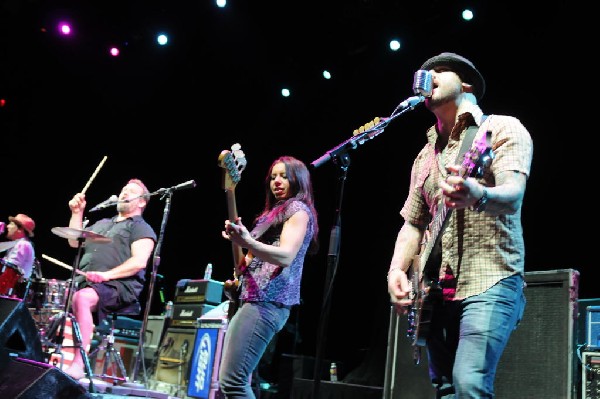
(47, 299)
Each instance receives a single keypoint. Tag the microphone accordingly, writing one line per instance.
(422, 87)
(184, 348)
(2, 227)
(423, 83)
(113, 200)
(187, 184)
(181, 186)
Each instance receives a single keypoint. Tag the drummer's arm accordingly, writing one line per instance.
(77, 206)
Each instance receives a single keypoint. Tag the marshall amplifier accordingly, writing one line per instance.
(199, 291)
(187, 314)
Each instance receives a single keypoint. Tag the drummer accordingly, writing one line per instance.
(22, 254)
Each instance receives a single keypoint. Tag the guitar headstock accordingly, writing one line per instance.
(479, 157)
(233, 162)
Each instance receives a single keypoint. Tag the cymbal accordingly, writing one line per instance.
(71, 233)
(7, 245)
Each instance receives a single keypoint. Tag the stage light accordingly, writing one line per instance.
(162, 39)
(64, 28)
(467, 14)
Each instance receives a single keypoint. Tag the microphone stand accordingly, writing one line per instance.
(353, 142)
(166, 193)
(340, 157)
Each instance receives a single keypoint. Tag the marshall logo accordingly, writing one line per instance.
(191, 290)
(186, 313)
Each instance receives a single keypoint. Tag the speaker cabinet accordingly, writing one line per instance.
(19, 336)
(28, 379)
(174, 356)
(404, 378)
(538, 361)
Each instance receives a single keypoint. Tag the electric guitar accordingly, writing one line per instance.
(423, 271)
(233, 163)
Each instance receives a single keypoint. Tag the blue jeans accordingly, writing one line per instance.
(249, 332)
(468, 337)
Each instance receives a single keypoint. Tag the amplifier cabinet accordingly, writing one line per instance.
(187, 314)
(590, 372)
(204, 369)
(539, 359)
(174, 356)
(199, 291)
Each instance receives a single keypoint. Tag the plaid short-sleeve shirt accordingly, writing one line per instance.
(478, 249)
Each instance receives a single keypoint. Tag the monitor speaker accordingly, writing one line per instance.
(28, 379)
(19, 336)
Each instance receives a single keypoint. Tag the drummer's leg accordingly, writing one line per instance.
(85, 301)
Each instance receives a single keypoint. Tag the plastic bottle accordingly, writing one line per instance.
(333, 376)
(208, 272)
(168, 310)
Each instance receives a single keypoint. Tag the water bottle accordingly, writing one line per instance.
(208, 272)
(169, 310)
(333, 376)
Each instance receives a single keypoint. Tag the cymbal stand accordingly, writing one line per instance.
(77, 341)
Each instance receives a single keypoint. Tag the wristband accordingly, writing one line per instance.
(481, 203)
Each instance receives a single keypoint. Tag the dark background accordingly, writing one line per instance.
(165, 114)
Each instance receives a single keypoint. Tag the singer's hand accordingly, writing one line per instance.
(399, 290)
(77, 203)
(460, 193)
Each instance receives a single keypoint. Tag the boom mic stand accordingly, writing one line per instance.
(166, 193)
(340, 156)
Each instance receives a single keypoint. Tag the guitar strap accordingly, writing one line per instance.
(435, 258)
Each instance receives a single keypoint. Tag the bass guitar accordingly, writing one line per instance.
(424, 270)
(233, 163)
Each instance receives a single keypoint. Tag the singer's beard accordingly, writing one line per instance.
(122, 207)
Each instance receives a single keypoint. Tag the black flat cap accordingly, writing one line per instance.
(464, 68)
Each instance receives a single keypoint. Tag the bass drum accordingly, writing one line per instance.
(10, 276)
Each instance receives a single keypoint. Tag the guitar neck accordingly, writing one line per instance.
(238, 254)
(435, 228)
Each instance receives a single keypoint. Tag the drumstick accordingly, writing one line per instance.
(87, 185)
(59, 263)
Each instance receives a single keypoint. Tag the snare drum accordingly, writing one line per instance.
(9, 278)
(47, 294)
